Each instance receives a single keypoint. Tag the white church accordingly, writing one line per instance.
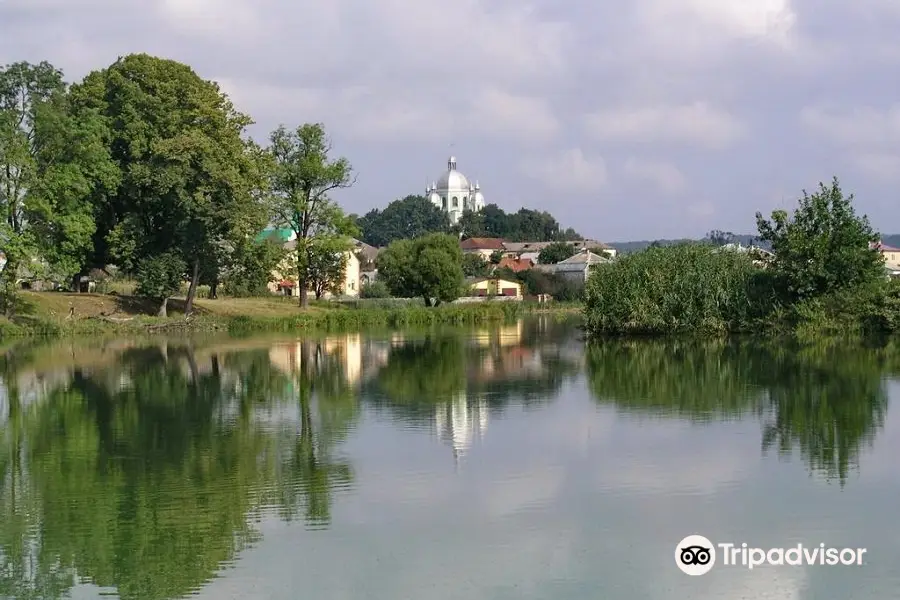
(453, 193)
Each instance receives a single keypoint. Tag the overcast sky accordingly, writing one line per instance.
(627, 120)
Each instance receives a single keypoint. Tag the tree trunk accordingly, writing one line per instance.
(318, 294)
(304, 293)
(163, 308)
(213, 290)
(427, 300)
(192, 290)
(8, 290)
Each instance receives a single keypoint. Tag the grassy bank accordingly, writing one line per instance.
(60, 314)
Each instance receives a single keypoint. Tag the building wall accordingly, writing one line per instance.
(496, 287)
(485, 254)
(350, 286)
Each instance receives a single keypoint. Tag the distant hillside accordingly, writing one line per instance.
(634, 246)
(892, 239)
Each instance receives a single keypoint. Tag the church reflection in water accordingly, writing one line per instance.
(460, 423)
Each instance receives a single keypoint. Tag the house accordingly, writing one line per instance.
(482, 246)
(284, 279)
(531, 250)
(366, 254)
(492, 286)
(515, 264)
(760, 256)
(576, 268)
(891, 255)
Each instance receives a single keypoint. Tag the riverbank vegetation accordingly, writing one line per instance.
(57, 314)
(824, 275)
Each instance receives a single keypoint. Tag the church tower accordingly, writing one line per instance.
(453, 193)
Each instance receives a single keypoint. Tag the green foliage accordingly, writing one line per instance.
(429, 267)
(53, 164)
(190, 182)
(474, 265)
(823, 247)
(302, 178)
(160, 276)
(496, 257)
(676, 289)
(403, 219)
(523, 226)
(251, 268)
(556, 252)
(375, 289)
(538, 282)
(327, 267)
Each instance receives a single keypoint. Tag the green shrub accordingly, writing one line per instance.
(374, 289)
(674, 289)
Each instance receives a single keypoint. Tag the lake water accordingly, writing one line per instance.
(504, 463)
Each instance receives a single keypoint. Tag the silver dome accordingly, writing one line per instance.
(453, 179)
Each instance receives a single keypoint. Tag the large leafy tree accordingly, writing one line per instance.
(823, 246)
(429, 267)
(556, 252)
(525, 225)
(190, 181)
(407, 218)
(302, 177)
(53, 163)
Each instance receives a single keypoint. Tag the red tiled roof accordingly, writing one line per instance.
(482, 244)
(286, 283)
(515, 264)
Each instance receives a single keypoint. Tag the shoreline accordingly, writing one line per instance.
(48, 314)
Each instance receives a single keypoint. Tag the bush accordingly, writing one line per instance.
(680, 288)
(374, 289)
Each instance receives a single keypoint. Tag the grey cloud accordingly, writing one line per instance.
(576, 93)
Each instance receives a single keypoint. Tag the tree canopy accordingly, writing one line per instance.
(526, 225)
(188, 177)
(823, 246)
(403, 219)
(429, 267)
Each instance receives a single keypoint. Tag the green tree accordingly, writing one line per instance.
(556, 252)
(496, 257)
(823, 247)
(407, 218)
(374, 289)
(302, 178)
(327, 269)
(251, 266)
(474, 265)
(190, 181)
(718, 237)
(53, 163)
(429, 267)
(525, 225)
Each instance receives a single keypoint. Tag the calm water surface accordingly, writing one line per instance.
(506, 463)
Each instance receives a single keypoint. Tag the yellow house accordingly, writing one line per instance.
(891, 256)
(284, 277)
(492, 286)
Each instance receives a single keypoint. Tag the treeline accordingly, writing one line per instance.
(146, 166)
(415, 216)
(823, 274)
(433, 267)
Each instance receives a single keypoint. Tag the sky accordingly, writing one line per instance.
(626, 120)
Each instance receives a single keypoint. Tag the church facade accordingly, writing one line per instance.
(453, 193)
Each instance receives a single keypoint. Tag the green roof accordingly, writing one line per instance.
(276, 235)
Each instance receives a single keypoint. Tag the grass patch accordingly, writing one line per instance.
(63, 314)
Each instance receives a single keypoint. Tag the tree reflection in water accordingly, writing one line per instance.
(828, 400)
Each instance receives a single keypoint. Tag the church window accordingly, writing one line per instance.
(444, 202)
(455, 202)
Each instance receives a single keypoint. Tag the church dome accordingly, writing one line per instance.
(452, 179)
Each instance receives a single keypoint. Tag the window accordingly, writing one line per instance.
(455, 202)
(444, 202)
